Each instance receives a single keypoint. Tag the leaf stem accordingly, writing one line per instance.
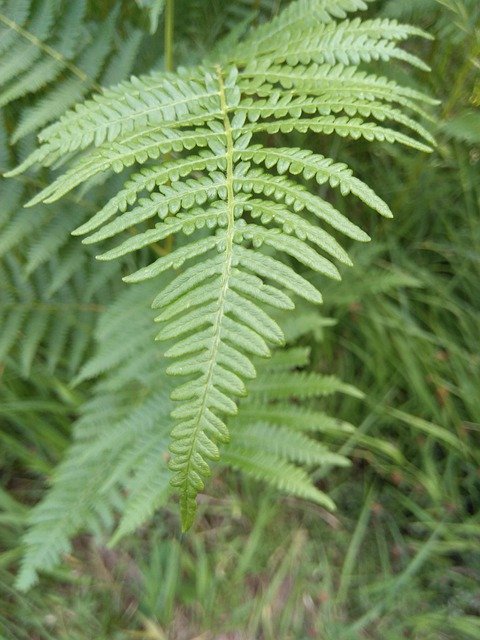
(187, 503)
(169, 31)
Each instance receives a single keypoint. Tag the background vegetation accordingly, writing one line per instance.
(399, 558)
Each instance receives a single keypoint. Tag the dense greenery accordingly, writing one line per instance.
(385, 375)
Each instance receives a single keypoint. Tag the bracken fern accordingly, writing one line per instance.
(51, 49)
(214, 179)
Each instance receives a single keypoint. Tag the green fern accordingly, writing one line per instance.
(51, 292)
(47, 49)
(269, 434)
(232, 199)
(55, 326)
(154, 8)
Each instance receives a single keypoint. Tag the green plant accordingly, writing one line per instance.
(231, 197)
(53, 49)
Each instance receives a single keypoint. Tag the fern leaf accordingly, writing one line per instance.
(302, 385)
(236, 205)
(45, 50)
(41, 312)
(281, 474)
(284, 414)
(301, 15)
(155, 8)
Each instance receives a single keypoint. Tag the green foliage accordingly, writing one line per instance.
(51, 48)
(399, 557)
(51, 292)
(272, 439)
(297, 73)
(154, 8)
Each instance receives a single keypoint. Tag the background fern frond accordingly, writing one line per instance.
(118, 461)
(50, 48)
(50, 292)
(155, 9)
(55, 325)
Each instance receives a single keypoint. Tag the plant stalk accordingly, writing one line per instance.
(169, 29)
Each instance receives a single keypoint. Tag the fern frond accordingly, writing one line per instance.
(235, 203)
(349, 42)
(155, 9)
(301, 385)
(303, 15)
(88, 478)
(47, 317)
(50, 296)
(118, 428)
(46, 49)
(281, 474)
(272, 432)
